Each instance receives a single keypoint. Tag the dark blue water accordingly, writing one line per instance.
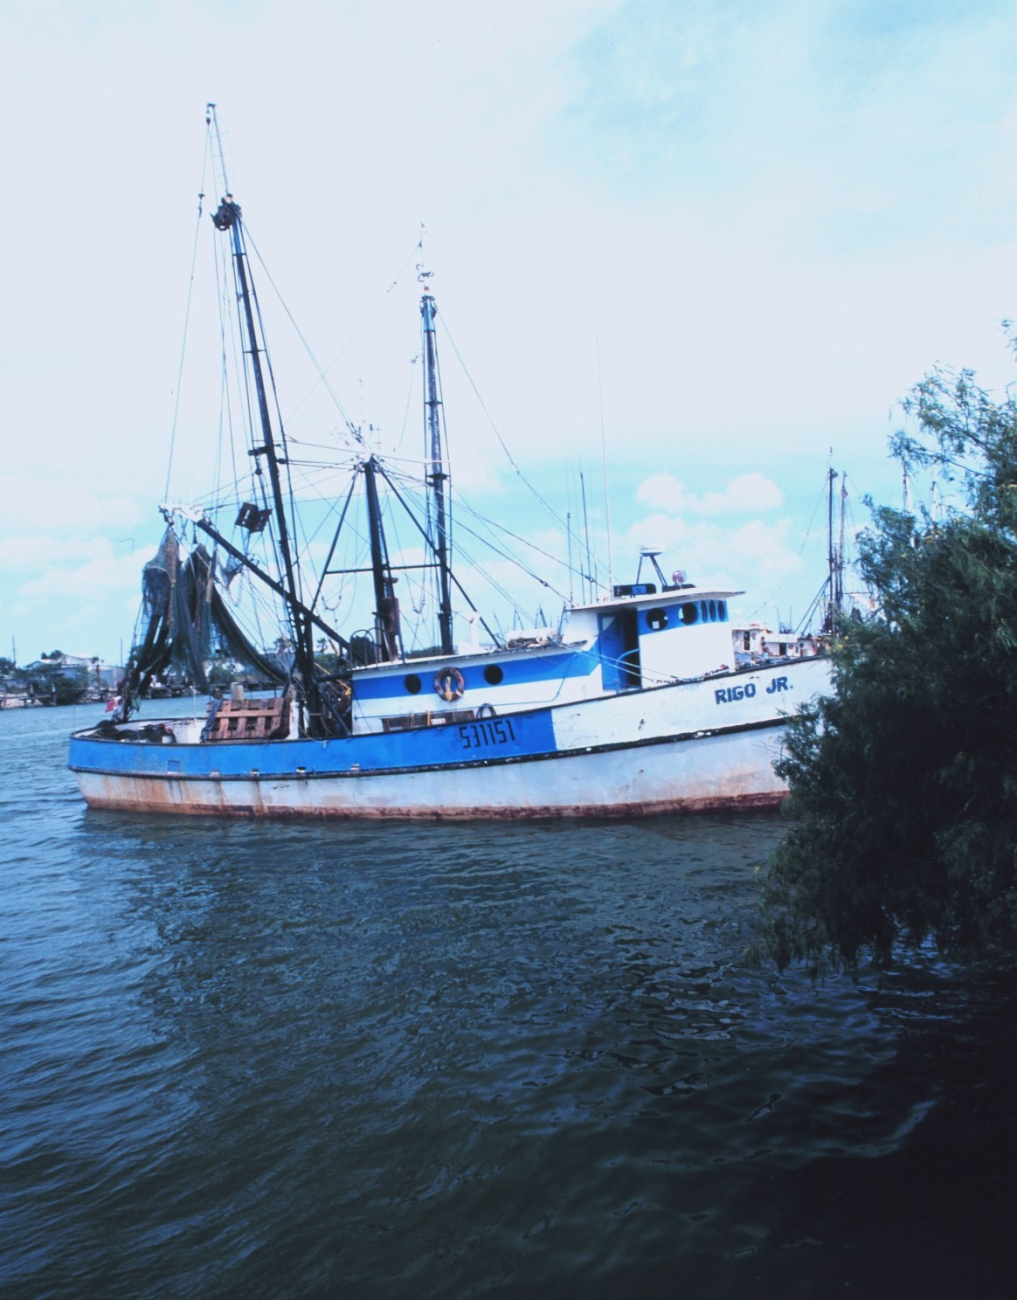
(288, 1060)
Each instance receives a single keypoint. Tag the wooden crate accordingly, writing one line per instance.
(251, 719)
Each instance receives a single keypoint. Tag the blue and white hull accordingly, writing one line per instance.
(695, 745)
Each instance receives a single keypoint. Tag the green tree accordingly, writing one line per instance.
(904, 782)
(328, 661)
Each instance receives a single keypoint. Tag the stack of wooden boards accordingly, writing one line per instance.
(250, 719)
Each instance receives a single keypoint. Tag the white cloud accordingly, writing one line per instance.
(768, 221)
(764, 560)
(55, 504)
(88, 571)
(742, 495)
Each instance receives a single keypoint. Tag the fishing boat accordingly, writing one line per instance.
(631, 703)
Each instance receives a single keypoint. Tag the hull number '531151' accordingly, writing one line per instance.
(731, 693)
(475, 735)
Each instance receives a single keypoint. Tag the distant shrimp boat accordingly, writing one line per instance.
(633, 704)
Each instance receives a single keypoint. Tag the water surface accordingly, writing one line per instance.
(301, 1060)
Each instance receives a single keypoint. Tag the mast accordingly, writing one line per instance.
(838, 594)
(607, 498)
(831, 559)
(228, 218)
(436, 474)
(588, 587)
(834, 555)
(386, 612)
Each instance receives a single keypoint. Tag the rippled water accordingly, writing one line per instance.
(275, 1060)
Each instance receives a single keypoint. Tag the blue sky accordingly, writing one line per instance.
(768, 219)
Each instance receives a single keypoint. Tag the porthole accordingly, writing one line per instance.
(493, 674)
(713, 611)
(656, 619)
(722, 610)
(413, 684)
(690, 612)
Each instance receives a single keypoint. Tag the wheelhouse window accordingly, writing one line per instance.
(656, 619)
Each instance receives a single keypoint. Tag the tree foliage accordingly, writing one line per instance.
(904, 782)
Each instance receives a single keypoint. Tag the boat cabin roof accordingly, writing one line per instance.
(545, 640)
(624, 599)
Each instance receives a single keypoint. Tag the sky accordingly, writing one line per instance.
(712, 242)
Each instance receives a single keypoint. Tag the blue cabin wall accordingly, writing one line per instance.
(627, 646)
(618, 641)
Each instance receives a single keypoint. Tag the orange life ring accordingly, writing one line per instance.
(449, 684)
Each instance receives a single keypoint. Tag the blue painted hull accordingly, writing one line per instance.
(689, 746)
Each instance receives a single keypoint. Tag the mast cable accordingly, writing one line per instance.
(607, 497)
(351, 427)
(187, 317)
(550, 510)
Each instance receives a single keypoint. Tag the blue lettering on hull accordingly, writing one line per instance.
(729, 694)
(521, 736)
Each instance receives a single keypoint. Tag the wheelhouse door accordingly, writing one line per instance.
(619, 650)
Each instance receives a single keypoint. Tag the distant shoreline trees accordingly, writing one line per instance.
(903, 784)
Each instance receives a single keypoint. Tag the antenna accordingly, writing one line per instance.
(838, 594)
(831, 558)
(568, 537)
(607, 498)
(587, 577)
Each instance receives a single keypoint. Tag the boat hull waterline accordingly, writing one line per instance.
(691, 746)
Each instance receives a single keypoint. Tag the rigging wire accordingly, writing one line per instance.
(244, 381)
(322, 379)
(351, 427)
(497, 433)
(562, 524)
(820, 504)
(311, 476)
(322, 373)
(491, 523)
(284, 458)
(409, 398)
(227, 337)
(491, 544)
(477, 566)
(187, 314)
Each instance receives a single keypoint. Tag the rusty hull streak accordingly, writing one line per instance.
(707, 804)
(348, 796)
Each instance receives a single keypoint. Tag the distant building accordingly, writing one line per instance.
(101, 677)
(757, 643)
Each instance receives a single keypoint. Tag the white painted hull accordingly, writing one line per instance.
(678, 748)
(720, 771)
